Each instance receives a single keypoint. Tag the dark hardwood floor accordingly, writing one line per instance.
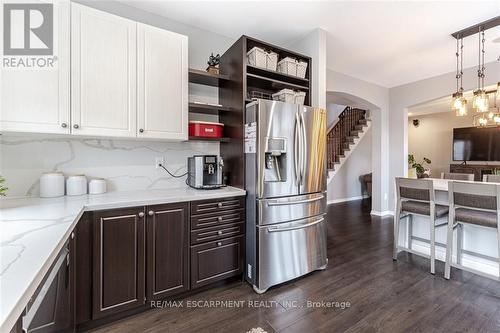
(384, 296)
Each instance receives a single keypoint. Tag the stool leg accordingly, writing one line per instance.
(449, 245)
(397, 216)
(433, 244)
(460, 243)
(410, 230)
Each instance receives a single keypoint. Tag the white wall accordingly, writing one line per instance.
(314, 46)
(376, 99)
(128, 165)
(408, 95)
(333, 111)
(433, 138)
(346, 183)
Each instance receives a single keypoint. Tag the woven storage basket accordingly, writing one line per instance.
(288, 66)
(301, 69)
(271, 60)
(257, 57)
(300, 97)
(285, 95)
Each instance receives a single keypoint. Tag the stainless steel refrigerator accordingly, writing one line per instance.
(285, 177)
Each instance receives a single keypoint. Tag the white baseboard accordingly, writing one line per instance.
(359, 197)
(382, 213)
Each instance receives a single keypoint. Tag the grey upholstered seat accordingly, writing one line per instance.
(491, 178)
(457, 176)
(422, 208)
(478, 217)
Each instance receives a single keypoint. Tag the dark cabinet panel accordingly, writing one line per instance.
(118, 266)
(217, 218)
(83, 269)
(217, 232)
(211, 206)
(218, 260)
(167, 250)
(51, 308)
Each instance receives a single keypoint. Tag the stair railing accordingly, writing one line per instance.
(338, 135)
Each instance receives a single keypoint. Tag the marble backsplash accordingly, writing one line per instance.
(127, 165)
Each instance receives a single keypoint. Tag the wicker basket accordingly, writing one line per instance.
(272, 60)
(288, 66)
(300, 97)
(285, 95)
(257, 57)
(301, 68)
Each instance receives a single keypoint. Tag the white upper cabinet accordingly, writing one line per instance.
(103, 73)
(37, 99)
(162, 84)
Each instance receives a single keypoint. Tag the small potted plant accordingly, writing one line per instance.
(419, 168)
(213, 64)
(3, 188)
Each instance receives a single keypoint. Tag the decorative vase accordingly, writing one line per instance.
(213, 70)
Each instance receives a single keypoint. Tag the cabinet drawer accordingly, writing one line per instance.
(217, 232)
(215, 219)
(217, 260)
(211, 206)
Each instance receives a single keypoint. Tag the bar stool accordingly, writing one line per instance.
(475, 204)
(458, 176)
(491, 178)
(416, 197)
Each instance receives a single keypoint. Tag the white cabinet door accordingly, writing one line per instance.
(162, 91)
(103, 73)
(36, 99)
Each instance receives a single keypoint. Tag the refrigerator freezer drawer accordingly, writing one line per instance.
(286, 209)
(290, 250)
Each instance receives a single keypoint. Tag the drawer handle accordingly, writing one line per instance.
(285, 203)
(219, 243)
(303, 226)
(219, 232)
(220, 218)
(219, 204)
(141, 214)
(151, 213)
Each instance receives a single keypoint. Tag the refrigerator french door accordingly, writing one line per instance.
(285, 170)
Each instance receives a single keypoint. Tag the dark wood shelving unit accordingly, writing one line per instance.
(197, 138)
(208, 109)
(234, 94)
(201, 77)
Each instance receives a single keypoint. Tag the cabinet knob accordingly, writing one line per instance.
(76, 126)
(219, 232)
(219, 204)
(141, 130)
(64, 125)
(219, 243)
(72, 235)
(220, 218)
(151, 213)
(141, 214)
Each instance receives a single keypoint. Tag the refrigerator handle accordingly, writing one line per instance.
(303, 148)
(296, 149)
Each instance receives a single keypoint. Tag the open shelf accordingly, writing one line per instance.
(197, 138)
(201, 77)
(207, 109)
(267, 83)
(277, 76)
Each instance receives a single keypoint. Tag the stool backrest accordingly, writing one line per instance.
(478, 196)
(491, 178)
(457, 176)
(415, 189)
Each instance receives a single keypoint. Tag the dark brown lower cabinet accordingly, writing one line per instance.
(216, 260)
(167, 250)
(51, 308)
(118, 261)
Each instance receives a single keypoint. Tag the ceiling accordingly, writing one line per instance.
(385, 42)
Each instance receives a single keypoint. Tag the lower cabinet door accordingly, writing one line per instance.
(217, 260)
(118, 265)
(167, 250)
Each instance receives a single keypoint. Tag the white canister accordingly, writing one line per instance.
(52, 185)
(97, 186)
(76, 185)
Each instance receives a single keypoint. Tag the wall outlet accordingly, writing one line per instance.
(158, 161)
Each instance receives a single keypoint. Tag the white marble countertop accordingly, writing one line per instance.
(34, 230)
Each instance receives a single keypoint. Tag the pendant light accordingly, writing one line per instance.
(480, 101)
(458, 102)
